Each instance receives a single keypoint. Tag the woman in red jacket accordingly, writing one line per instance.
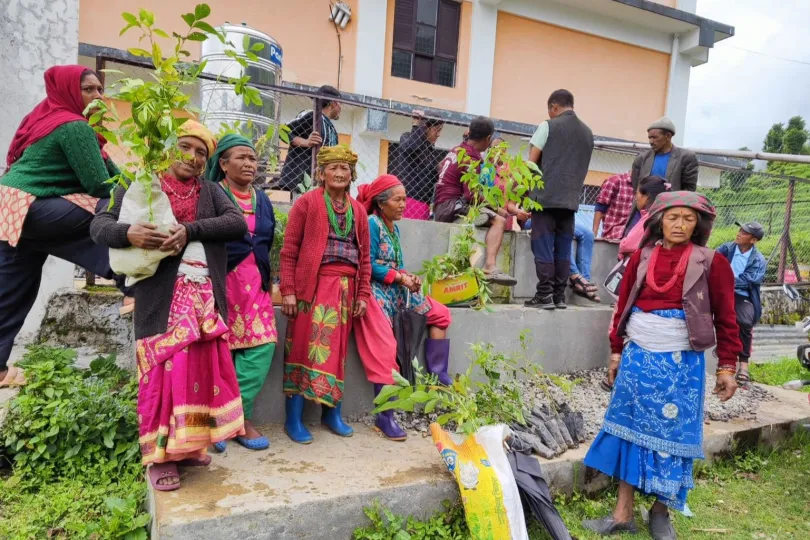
(676, 302)
(325, 282)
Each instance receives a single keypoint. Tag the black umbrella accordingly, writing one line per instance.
(535, 494)
(409, 331)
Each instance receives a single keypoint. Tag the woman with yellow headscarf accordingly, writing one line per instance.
(325, 283)
(188, 395)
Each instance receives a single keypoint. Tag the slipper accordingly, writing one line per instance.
(204, 461)
(11, 377)
(162, 471)
(220, 446)
(260, 443)
(499, 278)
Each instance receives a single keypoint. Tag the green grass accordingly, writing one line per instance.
(778, 373)
(762, 494)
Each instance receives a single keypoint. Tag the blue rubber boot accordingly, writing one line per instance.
(331, 419)
(293, 425)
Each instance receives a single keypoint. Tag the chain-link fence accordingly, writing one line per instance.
(411, 146)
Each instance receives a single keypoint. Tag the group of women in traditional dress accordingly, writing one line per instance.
(204, 322)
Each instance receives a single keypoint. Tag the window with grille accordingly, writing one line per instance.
(426, 40)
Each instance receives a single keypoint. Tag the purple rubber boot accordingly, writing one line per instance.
(385, 422)
(437, 358)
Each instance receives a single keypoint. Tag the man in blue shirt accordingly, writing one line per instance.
(748, 265)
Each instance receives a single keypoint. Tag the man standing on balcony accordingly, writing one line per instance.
(749, 266)
(678, 166)
(562, 148)
(304, 139)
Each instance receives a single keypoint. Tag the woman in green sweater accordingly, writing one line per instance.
(55, 180)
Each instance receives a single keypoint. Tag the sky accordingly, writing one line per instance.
(737, 96)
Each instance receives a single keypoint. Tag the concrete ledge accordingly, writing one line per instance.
(276, 494)
(562, 341)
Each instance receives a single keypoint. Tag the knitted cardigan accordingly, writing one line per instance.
(218, 221)
(64, 162)
(305, 242)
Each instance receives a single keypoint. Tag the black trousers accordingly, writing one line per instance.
(55, 227)
(746, 322)
(552, 234)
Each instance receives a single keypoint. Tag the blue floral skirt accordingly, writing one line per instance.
(653, 428)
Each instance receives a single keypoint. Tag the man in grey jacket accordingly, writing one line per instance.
(678, 166)
(562, 148)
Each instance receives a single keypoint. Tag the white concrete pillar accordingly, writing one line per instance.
(677, 94)
(482, 56)
(34, 35)
(370, 63)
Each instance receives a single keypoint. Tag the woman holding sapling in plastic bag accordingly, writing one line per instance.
(188, 395)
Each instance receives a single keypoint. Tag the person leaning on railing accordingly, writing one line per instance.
(56, 181)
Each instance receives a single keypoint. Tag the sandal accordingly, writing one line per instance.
(499, 278)
(582, 287)
(14, 378)
(162, 471)
(743, 378)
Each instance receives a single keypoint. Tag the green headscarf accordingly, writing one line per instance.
(231, 140)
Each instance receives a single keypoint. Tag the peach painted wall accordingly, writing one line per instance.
(301, 27)
(618, 88)
(670, 3)
(441, 97)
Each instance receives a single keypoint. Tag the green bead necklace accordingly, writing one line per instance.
(333, 220)
(230, 194)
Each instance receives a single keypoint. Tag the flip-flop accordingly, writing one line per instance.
(161, 471)
(260, 443)
(11, 377)
(204, 461)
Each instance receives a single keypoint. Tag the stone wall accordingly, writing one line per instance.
(34, 35)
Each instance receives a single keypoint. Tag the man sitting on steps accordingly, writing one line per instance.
(452, 199)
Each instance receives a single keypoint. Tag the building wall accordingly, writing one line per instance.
(618, 88)
(441, 97)
(669, 3)
(302, 28)
(34, 35)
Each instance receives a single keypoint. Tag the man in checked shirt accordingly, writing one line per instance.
(613, 206)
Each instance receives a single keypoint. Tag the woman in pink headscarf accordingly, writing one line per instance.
(56, 173)
(391, 285)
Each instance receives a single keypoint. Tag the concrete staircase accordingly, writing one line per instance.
(772, 343)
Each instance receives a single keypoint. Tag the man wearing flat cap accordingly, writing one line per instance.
(678, 166)
(749, 266)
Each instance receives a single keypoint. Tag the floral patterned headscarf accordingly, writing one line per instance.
(681, 199)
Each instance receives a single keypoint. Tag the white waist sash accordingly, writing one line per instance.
(658, 334)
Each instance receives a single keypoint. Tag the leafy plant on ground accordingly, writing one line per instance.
(386, 525)
(161, 105)
(278, 242)
(778, 373)
(71, 437)
(487, 393)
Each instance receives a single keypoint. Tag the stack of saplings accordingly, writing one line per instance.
(551, 432)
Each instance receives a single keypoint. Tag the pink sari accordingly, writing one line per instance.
(188, 394)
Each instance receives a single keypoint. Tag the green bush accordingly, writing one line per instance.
(71, 437)
(69, 421)
(278, 242)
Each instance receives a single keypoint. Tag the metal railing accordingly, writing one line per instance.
(389, 139)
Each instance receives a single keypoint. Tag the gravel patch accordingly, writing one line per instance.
(588, 398)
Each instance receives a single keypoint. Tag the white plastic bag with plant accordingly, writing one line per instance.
(159, 107)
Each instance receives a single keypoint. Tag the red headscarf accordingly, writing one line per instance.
(63, 103)
(367, 192)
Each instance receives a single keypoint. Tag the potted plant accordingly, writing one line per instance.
(452, 278)
(159, 106)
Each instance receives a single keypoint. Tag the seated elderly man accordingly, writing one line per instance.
(451, 201)
(749, 266)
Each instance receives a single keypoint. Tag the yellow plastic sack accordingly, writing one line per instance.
(455, 290)
(485, 481)
(136, 263)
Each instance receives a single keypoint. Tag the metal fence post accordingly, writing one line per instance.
(317, 125)
(785, 244)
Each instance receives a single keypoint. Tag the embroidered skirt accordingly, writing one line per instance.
(188, 395)
(653, 428)
(317, 340)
